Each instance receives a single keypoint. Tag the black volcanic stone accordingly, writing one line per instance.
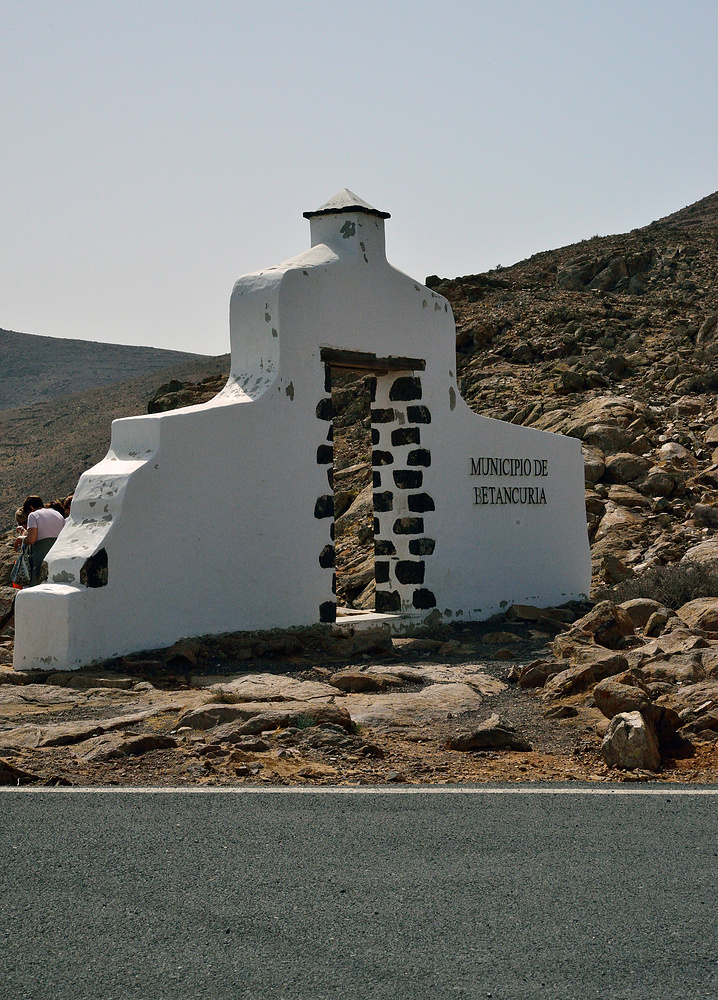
(405, 435)
(418, 414)
(407, 479)
(422, 546)
(420, 456)
(420, 502)
(408, 571)
(408, 526)
(387, 601)
(324, 409)
(423, 599)
(406, 387)
(327, 557)
(328, 611)
(324, 507)
(383, 501)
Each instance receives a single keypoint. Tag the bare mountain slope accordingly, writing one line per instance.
(35, 369)
(45, 447)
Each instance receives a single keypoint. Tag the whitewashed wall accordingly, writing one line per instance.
(217, 517)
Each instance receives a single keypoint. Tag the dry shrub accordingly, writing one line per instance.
(673, 585)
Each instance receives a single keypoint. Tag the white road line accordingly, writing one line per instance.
(668, 790)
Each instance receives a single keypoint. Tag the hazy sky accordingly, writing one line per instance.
(151, 152)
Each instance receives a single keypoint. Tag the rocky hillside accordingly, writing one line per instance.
(614, 341)
(36, 369)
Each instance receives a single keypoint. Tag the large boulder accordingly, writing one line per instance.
(658, 482)
(623, 467)
(618, 520)
(614, 695)
(594, 463)
(608, 624)
(594, 665)
(625, 496)
(703, 552)
(492, 734)
(353, 679)
(631, 743)
(640, 609)
(701, 613)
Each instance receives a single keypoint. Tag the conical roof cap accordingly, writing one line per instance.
(345, 201)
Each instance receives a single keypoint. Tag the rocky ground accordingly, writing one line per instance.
(628, 694)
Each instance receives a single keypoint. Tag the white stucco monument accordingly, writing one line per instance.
(219, 517)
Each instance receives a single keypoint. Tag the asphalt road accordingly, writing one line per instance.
(363, 895)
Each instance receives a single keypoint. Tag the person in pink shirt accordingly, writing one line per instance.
(43, 526)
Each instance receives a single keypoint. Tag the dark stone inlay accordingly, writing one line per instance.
(331, 531)
(384, 547)
(408, 526)
(407, 479)
(423, 599)
(383, 501)
(327, 557)
(334, 583)
(382, 416)
(408, 571)
(381, 572)
(324, 507)
(328, 611)
(324, 409)
(374, 436)
(382, 458)
(420, 456)
(325, 454)
(422, 546)
(330, 433)
(328, 379)
(418, 414)
(371, 385)
(406, 435)
(377, 529)
(376, 479)
(387, 601)
(406, 387)
(330, 477)
(93, 572)
(420, 502)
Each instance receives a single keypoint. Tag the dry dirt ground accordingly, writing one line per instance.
(401, 747)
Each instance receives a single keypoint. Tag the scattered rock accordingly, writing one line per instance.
(639, 610)
(701, 613)
(114, 745)
(11, 775)
(561, 712)
(351, 679)
(616, 695)
(630, 743)
(493, 734)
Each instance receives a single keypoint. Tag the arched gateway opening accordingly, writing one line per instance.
(381, 503)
